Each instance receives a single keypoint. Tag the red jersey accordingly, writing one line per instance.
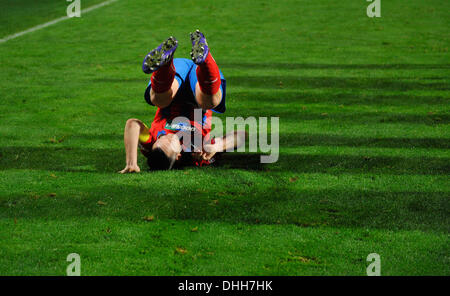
(181, 118)
(166, 122)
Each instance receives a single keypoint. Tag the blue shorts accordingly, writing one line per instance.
(187, 79)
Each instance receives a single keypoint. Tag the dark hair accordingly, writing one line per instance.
(158, 160)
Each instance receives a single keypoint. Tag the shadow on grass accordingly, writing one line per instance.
(338, 98)
(310, 66)
(360, 83)
(265, 200)
(301, 139)
(340, 164)
(275, 202)
(143, 81)
(112, 160)
(350, 117)
(322, 82)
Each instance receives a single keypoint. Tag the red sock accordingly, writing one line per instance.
(208, 76)
(163, 77)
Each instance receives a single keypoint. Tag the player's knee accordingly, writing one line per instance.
(209, 101)
(206, 105)
(132, 121)
(160, 100)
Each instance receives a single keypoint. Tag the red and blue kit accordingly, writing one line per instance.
(184, 121)
(183, 117)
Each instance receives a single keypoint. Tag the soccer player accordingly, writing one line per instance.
(179, 87)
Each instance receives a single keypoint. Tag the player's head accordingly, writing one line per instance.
(165, 152)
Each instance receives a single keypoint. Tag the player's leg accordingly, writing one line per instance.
(163, 99)
(159, 62)
(207, 89)
(135, 131)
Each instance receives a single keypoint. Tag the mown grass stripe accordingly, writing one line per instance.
(55, 21)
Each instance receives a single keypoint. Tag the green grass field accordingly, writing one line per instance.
(364, 141)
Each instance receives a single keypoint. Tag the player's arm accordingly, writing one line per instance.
(229, 142)
(134, 129)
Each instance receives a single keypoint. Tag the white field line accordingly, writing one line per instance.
(55, 21)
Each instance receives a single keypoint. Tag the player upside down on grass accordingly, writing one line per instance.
(178, 87)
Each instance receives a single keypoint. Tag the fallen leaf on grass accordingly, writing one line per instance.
(181, 251)
(101, 203)
(195, 229)
(53, 176)
(149, 218)
(300, 258)
(297, 257)
(293, 179)
(54, 140)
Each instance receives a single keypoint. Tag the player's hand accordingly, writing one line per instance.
(130, 169)
(209, 150)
